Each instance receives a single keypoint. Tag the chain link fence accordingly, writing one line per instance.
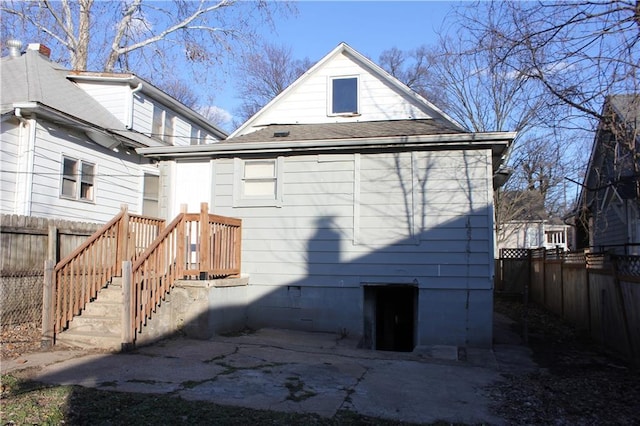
(21, 297)
(20, 312)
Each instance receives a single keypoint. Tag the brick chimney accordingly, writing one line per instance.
(40, 48)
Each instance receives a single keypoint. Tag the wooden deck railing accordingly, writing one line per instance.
(200, 246)
(76, 279)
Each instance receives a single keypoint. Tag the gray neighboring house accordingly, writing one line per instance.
(607, 217)
(68, 138)
(366, 210)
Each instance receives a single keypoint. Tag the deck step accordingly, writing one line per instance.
(96, 324)
(90, 340)
(103, 309)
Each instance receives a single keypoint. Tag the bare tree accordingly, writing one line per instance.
(414, 68)
(580, 51)
(264, 75)
(180, 91)
(109, 36)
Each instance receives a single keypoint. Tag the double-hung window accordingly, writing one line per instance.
(163, 124)
(78, 179)
(343, 96)
(258, 182)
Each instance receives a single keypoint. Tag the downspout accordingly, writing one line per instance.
(129, 124)
(24, 182)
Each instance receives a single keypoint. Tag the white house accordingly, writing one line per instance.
(68, 139)
(366, 210)
(534, 234)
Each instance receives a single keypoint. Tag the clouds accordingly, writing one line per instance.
(219, 116)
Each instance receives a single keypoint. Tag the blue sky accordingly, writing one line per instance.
(370, 27)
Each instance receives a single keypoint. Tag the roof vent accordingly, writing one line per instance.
(40, 48)
(280, 134)
(14, 47)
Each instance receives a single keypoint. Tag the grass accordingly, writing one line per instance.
(28, 403)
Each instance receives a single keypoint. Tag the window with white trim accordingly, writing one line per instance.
(78, 179)
(163, 124)
(343, 96)
(150, 195)
(258, 182)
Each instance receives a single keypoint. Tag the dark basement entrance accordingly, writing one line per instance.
(390, 317)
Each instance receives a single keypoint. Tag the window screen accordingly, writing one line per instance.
(344, 95)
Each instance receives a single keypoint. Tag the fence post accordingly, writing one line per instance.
(561, 259)
(127, 308)
(52, 243)
(205, 248)
(623, 309)
(525, 296)
(48, 303)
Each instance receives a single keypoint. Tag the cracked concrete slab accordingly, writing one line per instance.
(295, 372)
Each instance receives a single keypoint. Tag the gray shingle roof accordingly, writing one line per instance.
(33, 78)
(362, 129)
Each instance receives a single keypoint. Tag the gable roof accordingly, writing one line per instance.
(371, 67)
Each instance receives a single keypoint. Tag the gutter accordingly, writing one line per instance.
(129, 137)
(129, 124)
(465, 141)
(22, 204)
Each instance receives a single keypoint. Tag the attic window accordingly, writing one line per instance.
(344, 96)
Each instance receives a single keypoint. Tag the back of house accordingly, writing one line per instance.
(366, 210)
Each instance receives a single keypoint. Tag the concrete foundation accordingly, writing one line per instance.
(199, 310)
(202, 309)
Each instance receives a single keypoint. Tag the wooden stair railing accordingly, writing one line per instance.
(200, 246)
(76, 279)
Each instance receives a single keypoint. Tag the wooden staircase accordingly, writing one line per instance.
(102, 294)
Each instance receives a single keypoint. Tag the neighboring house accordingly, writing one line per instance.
(608, 214)
(524, 223)
(68, 139)
(534, 234)
(366, 210)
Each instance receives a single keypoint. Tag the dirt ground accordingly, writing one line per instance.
(578, 384)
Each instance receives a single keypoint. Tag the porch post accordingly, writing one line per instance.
(123, 237)
(127, 308)
(205, 246)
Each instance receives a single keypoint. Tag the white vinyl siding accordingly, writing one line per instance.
(118, 178)
(10, 132)
(309, 103)
(113, 96)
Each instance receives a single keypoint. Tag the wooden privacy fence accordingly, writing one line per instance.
(26, 243)
(201, 246)
(597, 293)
